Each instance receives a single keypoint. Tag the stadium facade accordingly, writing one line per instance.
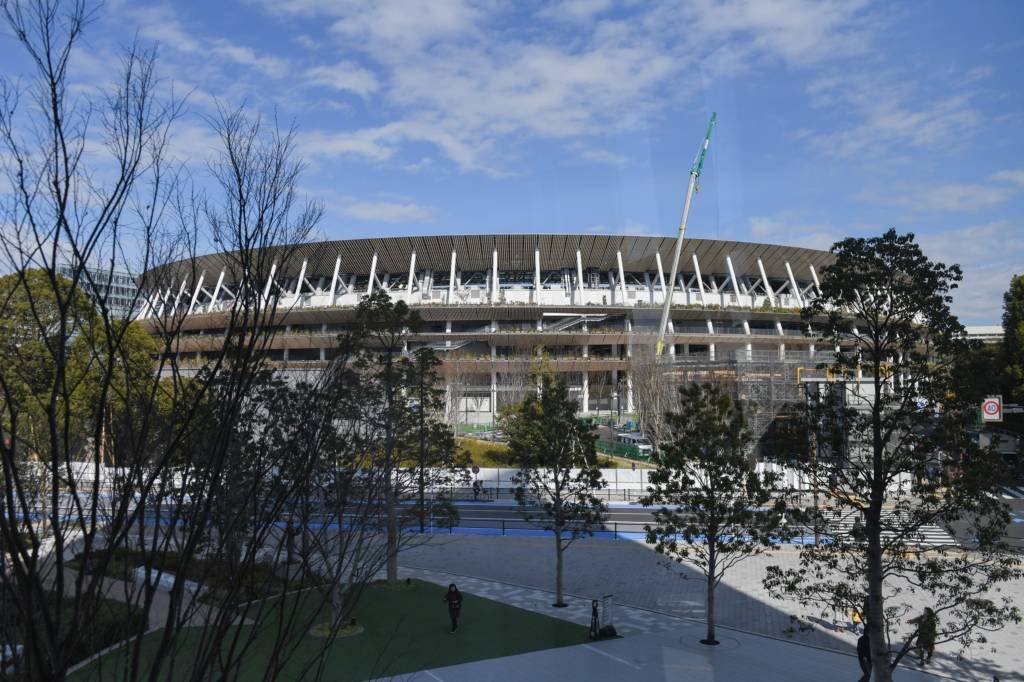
(492, 304)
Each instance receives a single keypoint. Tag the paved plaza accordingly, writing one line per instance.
(656, 602)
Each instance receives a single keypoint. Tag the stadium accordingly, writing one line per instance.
(493, 305)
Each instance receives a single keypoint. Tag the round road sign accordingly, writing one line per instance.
(991, 408)
(476, 469)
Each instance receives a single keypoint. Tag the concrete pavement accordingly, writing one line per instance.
(638, 577)
(664, 656)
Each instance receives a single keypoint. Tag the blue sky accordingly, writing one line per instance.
(834, 118)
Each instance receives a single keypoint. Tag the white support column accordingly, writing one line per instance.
(814, 278)
(732, 276)
(451, 280)
(579, 276)
(298, 282)
(495, 284)
(750, 346)
(195, 294)
(629, 392)
(622, 277)
(412, 275)
(334, 281)
(163, 302)
(585, 398)
(792, 283)
(373, 274)
(181, 290)
(270, 281)
(700, 280)
(536, 275)
(711, 327)
(661, 275)
(494, 383)
(767, 286)
(147, 307)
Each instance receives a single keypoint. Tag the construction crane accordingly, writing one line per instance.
(698, 164)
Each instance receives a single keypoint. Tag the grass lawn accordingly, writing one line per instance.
(406, 629)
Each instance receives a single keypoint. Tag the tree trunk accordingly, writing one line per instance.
(392, 534)
(881, 672)
(559, 601)
(422, 491)
(710, 605)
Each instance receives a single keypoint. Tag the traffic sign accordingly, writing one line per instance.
(476, 469)
(992, 409)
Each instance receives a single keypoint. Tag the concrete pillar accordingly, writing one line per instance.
(629, 392)
(767, 286)
(585, 398)
(700, 280)
(373, 274)
(536, 275)
(792, 283)
(711, 351)
(495, 284)
(494, 395)
(451, 280)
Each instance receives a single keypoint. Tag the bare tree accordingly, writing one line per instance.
(95, 554)
(655, 394)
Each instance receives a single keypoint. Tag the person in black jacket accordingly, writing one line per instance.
(864, 655)
(454, 599)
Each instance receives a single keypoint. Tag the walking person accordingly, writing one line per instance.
(927, 629)
(864, 655)
(454, 599)
(595, 621)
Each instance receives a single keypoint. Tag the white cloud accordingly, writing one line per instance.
(889, 114)
(793, 233)
(423, 164)
(1012, 176)
(970, 196)
(388, 212)
(796, 31)
(343, 76)
(944, 197)
(602, 156)
(575, 11)
(160, 23)
(455, 77)
(989, 254)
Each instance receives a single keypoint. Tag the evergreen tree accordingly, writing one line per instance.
(891, 429)
(558, 468)
(714, 508)
(1013, 340)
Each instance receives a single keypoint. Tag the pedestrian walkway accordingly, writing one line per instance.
(930, 535)
(627, 620)
(674, 654)
(641, 579)
(1010, 492)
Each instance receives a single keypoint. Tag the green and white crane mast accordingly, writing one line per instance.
(698, 165)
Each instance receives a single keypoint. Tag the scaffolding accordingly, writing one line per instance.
(764, 383)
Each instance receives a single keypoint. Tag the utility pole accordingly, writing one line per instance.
(698, 164)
